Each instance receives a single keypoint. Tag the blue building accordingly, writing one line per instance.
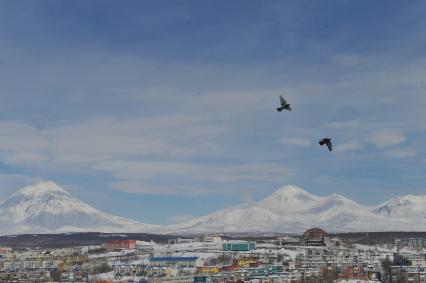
(239, 246)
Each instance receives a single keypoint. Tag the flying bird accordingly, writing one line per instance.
(284, 105)
(327, 142)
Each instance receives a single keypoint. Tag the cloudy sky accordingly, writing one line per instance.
(164, 110)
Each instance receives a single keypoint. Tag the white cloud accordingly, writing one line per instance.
(387, 138)
(343, 124)
(302, 142)
(348, 146)
(142, 170)
(199, 131)
(139, 186)
(401, 153)
(182, 187)
(143, 176)
(123, 147)
(106, 139)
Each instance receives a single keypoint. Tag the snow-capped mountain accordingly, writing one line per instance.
(291, 209)
(47, 208)
(409, 206)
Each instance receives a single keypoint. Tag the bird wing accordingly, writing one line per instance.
(329, 145)
(283, 102)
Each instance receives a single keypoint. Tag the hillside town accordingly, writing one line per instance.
(314, 256)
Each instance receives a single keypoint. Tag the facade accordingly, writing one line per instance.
(410, 259)
(414, 243)
(208, 239)
(191, 261)
(407, 274)
(245, 262)
(208, 269)
(114, 245)
(179, 240)
(144, 246)
(239, 246)
(315, 237)
(287, 240)
(172, 279)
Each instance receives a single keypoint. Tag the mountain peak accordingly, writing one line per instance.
(404, 206)
(290, 190)
(405, 200)
(412, 198)
(47, 208)
(289, 199)
(291, 193)
(339, 197)
(41, 189)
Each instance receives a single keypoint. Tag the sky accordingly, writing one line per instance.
(160, 111)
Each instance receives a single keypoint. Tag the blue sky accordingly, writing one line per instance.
(163, 110)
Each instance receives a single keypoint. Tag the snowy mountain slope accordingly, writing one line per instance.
(47, 208)
(409, 206)
(291, 209)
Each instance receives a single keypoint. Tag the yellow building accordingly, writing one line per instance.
(208, 269)
(245, 262)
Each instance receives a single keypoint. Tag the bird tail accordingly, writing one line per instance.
(280, 109)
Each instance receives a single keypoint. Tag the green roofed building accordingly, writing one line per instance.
(239, 246)
(201, 279)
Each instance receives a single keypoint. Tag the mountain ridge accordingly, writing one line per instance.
(47, 208)
(292, 209)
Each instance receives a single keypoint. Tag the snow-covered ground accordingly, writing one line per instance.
(110, 277)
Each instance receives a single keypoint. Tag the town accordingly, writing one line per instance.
(314, 256)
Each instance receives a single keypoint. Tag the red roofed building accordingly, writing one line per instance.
(114, 245)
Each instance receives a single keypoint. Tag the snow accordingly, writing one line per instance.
(41, 188)
(404, 206)
(293, 210)
(47, 208)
